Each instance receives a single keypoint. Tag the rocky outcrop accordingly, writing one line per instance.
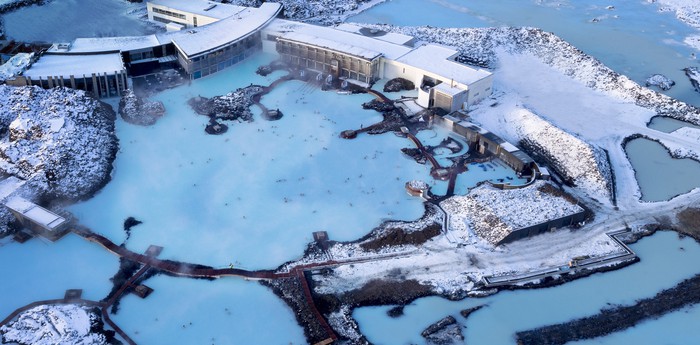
(61, 141)
(58, 324)
(135, 110)
(661, 81)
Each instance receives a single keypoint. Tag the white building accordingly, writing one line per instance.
(38, 219)
(364, 56)
(190, 13)
(442, 82)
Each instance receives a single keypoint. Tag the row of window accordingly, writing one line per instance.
(162, 20)
(211, 69)
(168, 13)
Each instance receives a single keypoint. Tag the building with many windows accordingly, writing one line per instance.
(363, 56)
(207, 37)
(190, 14)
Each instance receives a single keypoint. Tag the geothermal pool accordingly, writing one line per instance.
(660, 176)
(253, 196)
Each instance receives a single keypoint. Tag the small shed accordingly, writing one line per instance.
(37, 219)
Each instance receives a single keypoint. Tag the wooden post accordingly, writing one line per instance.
(72, 82)
(117, 76)
(95, 86)
(106, 84)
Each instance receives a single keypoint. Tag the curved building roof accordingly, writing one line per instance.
(203, 39)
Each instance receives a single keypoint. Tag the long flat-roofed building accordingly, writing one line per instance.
(38, 219)
(205, 50)
(102, 74)
(366, 55)
(342, 54)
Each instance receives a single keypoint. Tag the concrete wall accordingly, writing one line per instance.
(476, 91)
(480, 90)
(544, 227)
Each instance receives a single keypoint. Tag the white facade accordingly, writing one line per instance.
(435, 73)
(190, 13)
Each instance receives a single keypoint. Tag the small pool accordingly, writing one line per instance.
(660, 176)
(668, 124)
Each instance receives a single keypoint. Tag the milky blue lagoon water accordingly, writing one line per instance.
(195, 311)
(66, 20)
(660, 176)
(40, 270)
(668, 124)
(664, 263)
(254, 195)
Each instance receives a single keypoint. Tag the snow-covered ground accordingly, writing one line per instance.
(687, 11)
(492, 214)
(55, 324)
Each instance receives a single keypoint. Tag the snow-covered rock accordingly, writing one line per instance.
(60, 140)
(687, 11)
(693, 74)
(133, 109)
(231, 106)
(55, 324)
(316, 11)
(10, 5)
(661, 81)
(15, 65)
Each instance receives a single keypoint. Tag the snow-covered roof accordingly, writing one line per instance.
(35, 213)
(341, 39)
(447, 89)
(332, 45)
(105, 44)
(509, 147)
(203, 39)
(77, 65)
(436, 59)
(9, 186)
(206, 8)
(391, 37)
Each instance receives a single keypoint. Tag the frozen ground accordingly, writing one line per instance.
(492, 214)
(54, 324)
(662, 266)
(632, 37)
(15, 65)
(318, 11)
